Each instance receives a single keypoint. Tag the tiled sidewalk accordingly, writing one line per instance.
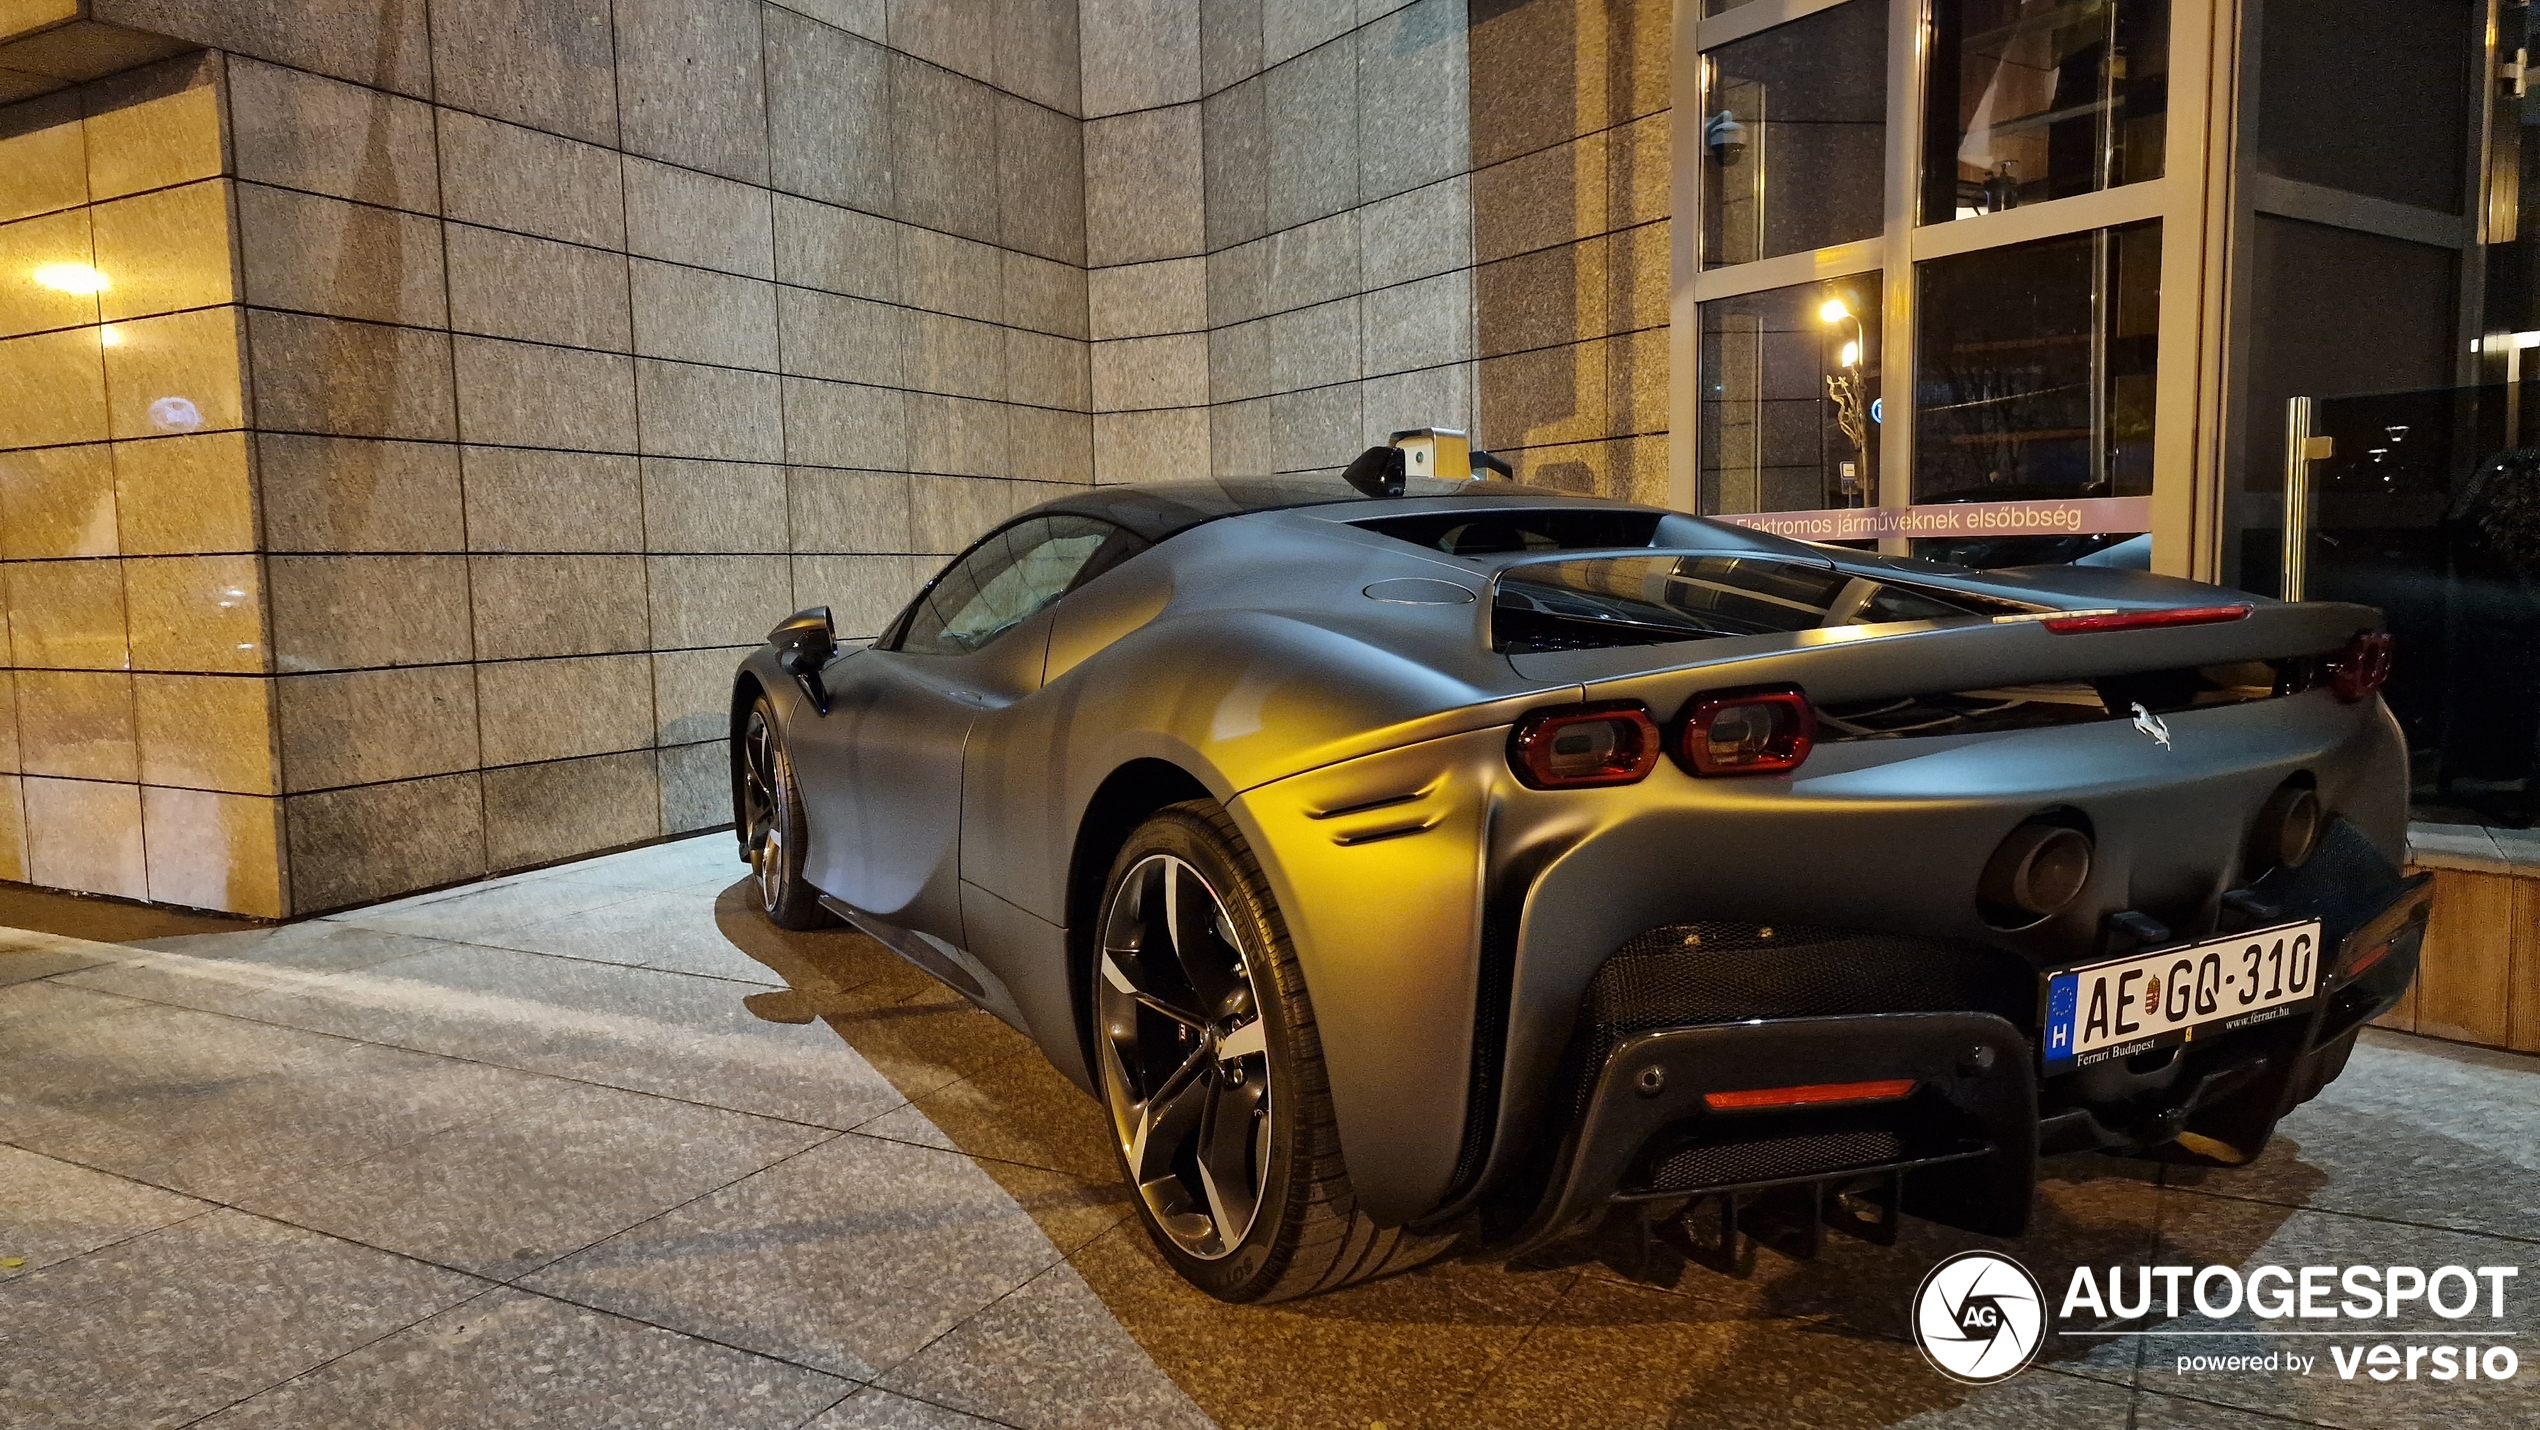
(596, 1146)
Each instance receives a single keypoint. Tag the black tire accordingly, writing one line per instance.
(772, 807)
(1237, 1010)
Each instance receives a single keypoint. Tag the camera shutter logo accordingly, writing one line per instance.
(1979, 1317)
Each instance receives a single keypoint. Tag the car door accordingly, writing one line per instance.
(886, 760)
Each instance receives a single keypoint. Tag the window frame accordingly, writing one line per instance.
(2187, 445)
(1119, 539)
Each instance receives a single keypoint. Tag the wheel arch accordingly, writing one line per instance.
(1122, 802)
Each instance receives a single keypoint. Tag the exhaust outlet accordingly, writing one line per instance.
(2038, 872)
(2286, 830)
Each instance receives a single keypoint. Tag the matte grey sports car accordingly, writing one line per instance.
(1405, 860)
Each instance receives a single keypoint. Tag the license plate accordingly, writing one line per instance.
(2177, 995)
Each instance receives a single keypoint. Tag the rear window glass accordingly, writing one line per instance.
(1492, 533)
(1644, 600)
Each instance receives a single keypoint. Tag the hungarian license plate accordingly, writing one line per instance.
(2177, 995)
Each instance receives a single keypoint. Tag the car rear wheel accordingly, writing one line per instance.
(1212, 1073)
(774, 808)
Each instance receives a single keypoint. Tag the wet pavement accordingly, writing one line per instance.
(597, 1146)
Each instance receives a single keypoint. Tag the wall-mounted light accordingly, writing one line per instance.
(76, 278)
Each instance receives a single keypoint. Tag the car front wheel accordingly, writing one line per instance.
(774, 808)
(1212, 1073)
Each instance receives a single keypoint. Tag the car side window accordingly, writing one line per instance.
(1005, 581)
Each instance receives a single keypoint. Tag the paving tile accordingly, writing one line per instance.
(678, 932)
(51, 1210)
(871, 1409)
(2089, 1211)
(220, 1106)
(1404, 1351)
(2415, 1130)
(921, 1038)
(559, 1166)
(635, 1028)
(510, 1360)
(1070, 1211)
(1590, 1363)
(178, 1323)
(249, 974)
(2177, 1412)
(1017, 1110)
(478, 911)
(40, 1009)
(849, 1257)
(25, 954)
(2203, 1231)
(1049, 1357)
(706, 860)
(2031, 1400)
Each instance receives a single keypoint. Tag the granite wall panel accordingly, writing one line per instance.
(565, 346)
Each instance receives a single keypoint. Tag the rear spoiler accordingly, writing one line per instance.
(1869, 662)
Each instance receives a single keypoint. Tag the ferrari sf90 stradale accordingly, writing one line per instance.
(1405, 860)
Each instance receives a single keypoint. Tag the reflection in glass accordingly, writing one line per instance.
(2035, 370)
(2040, 99)
(1790, 390)
(1794, 136)
(2428, 509)
(1650, 600)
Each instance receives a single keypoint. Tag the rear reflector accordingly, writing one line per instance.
(2403, 918)
(2139, 620)
(1810, 1095)
(1748, 732)
(1582, 746)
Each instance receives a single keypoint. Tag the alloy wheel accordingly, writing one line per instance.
(1186, 1069)
(762, 790)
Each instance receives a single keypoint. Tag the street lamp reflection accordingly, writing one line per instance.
(1844, 390)
(76, 278)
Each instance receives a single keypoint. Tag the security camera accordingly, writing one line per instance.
(1725, 137)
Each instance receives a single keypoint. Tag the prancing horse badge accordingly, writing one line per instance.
(2150, 724)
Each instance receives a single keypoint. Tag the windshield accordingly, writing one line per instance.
(1644, 600)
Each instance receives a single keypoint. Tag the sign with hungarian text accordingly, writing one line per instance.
(2080, 516)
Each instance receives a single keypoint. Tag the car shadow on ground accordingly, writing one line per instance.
(1599, 1331)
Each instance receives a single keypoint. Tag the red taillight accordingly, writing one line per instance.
(2138, 620)
(2360, 670)
(1808, 1096)
(1577, 746)
(1748, 732)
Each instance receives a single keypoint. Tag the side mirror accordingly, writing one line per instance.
(804, 643)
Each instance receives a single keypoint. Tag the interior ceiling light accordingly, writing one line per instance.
(71, 278)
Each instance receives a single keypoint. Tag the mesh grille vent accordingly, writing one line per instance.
(1773, 1158)
(1683, 975)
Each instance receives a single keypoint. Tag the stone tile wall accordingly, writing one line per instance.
(580, 343)
(571, 343)
(136, 704)
(1571, 197)
(1311, 223)
(1279, 225)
